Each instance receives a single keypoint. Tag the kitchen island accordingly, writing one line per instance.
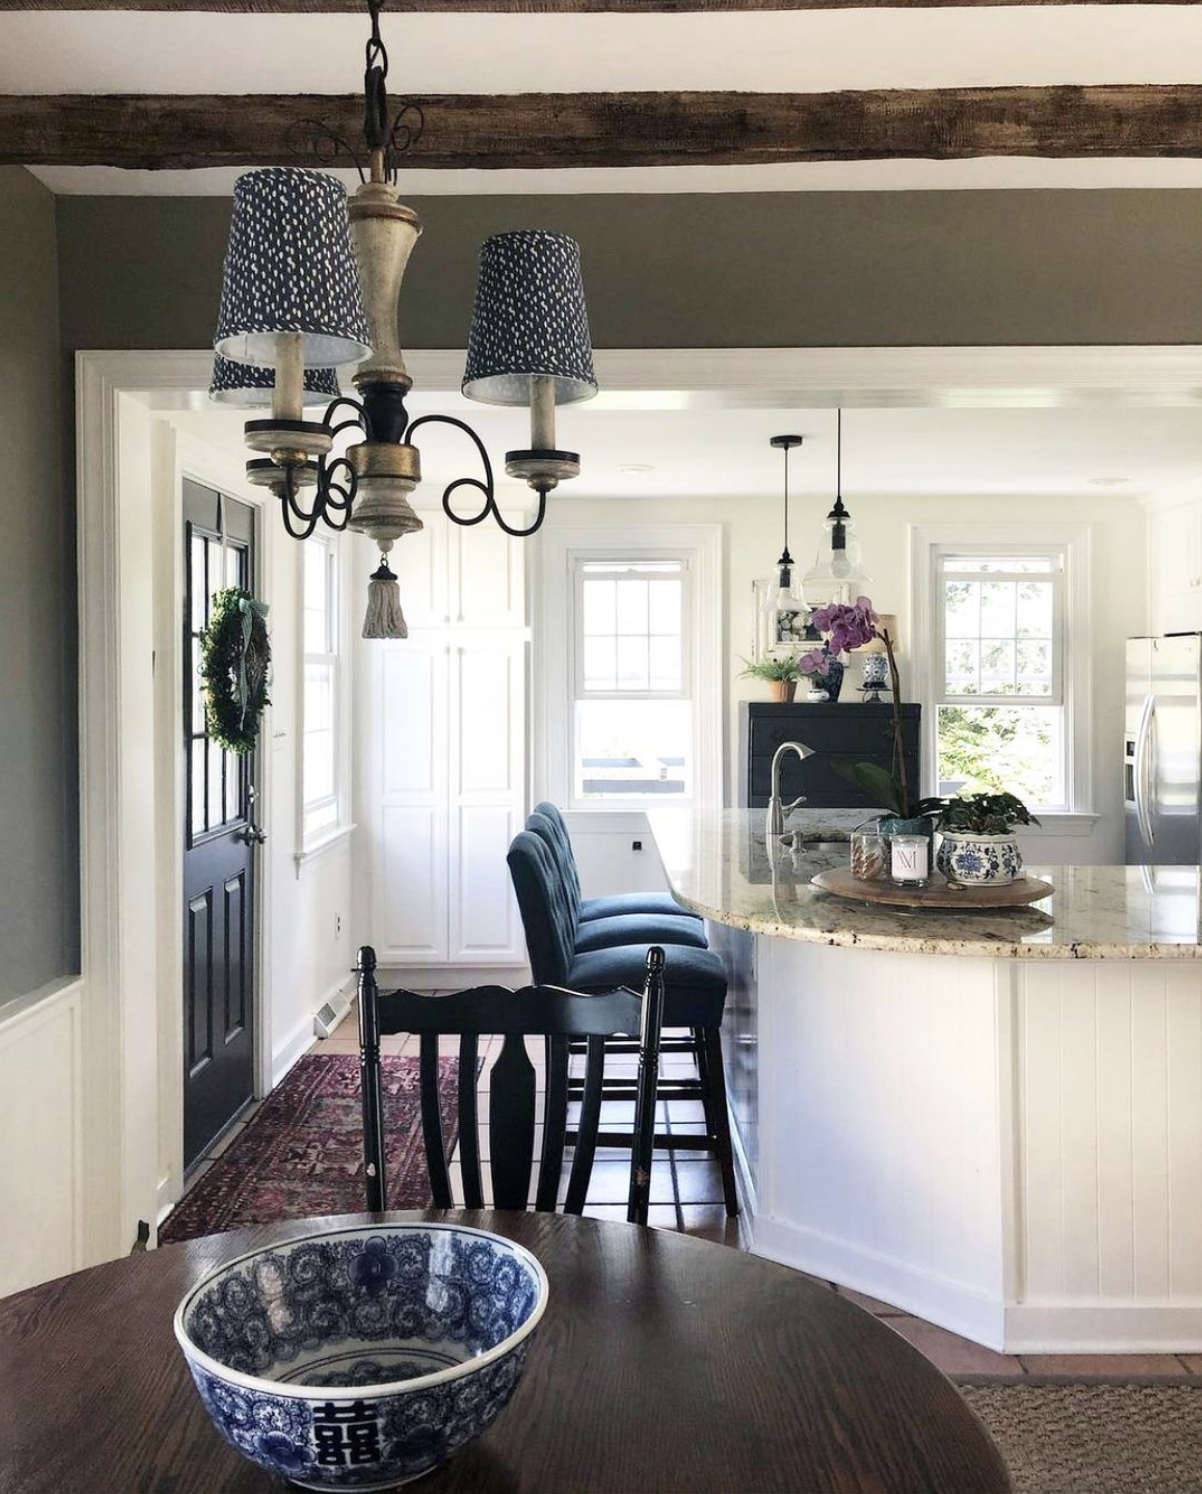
(992, 1120)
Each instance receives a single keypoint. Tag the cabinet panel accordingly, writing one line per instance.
(420, 563)
(1175, 544)
(485, 926)
(410, 913)
(487, 717)
(488, 576)
(410, 738)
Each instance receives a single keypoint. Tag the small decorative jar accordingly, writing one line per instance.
(875, 671)
(869, 853)
(973, 859)
(909, 860)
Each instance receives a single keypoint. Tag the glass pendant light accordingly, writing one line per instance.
(837, 574)
(784, 610)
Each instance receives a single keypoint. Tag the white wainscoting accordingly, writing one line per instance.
(1109, 1109)
(880, 1138)
(604, 844)
(41, 1134)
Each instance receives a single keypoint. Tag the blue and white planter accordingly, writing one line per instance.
(360, 1358)
(974, 859)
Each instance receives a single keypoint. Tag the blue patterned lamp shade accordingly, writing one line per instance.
(289, 267)
(250, 385)
(530, 318)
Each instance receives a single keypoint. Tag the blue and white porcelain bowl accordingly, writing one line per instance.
(360, 1358)
(975, 859)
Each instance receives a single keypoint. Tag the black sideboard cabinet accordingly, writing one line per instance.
(852, 733)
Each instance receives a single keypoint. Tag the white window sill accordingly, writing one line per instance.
(1053, 822)
(325, 840)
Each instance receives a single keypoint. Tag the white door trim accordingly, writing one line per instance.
(188, 456)
(116, 626)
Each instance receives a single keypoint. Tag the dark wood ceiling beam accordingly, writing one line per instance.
(521, 7)
(555, 130)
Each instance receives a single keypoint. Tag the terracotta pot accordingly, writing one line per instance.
(783, 690)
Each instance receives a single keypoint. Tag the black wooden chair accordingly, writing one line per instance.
(549, 1012)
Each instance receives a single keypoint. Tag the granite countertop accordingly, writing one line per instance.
(718, 865)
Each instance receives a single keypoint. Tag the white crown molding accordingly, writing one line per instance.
(950, 377)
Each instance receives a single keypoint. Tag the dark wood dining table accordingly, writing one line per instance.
(663, 1362)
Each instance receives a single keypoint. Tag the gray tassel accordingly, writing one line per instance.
(384, 616)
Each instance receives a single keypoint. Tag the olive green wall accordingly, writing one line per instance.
(38, 857)
(745, 270)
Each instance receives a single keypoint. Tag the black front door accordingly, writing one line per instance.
(219, 904)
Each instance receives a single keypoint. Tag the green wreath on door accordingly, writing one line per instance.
(235, 663)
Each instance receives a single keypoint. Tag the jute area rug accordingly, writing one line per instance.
(302, 1152)
(1095, 1437)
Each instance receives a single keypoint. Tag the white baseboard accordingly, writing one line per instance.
(1104, 1328)
(938, 1299)
(1020, 1328)
(302, 1037)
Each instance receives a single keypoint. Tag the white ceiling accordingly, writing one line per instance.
(724, 453)
(801, 51)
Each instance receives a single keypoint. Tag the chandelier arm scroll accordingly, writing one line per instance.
(299, 524)
(486, 487)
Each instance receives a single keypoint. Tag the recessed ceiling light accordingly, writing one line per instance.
(636, 469)
(1109, 482)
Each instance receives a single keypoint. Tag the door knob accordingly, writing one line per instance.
(251, 835)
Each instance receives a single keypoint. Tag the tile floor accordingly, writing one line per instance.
(687, 1196)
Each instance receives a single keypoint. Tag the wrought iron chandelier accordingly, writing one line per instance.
(311, 283)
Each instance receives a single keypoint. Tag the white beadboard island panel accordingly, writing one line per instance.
(879, 1116)
(1111, 1132)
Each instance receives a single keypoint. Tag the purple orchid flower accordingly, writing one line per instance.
(848, 625)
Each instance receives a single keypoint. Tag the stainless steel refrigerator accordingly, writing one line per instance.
(1162, 751)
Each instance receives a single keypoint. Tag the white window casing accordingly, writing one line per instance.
(1066, 689)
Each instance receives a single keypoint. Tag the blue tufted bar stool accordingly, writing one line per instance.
(590, 908)
(695, 992)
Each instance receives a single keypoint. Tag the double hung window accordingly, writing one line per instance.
(1001, 713)
(632, 718)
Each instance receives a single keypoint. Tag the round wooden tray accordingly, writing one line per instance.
(938, 893)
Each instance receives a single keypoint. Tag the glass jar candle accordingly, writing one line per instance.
(868, 853)
(909, 856)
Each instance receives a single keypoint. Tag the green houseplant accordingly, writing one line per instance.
(978, 842)
(781, 674)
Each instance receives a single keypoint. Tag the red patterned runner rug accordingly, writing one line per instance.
(302, 1152)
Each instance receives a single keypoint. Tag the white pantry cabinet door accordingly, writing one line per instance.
(1175, 542)
(409, 830)
(487, 795)
(488, 582)
(420, 563)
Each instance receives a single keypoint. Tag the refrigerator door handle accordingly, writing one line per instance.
(1142, 776)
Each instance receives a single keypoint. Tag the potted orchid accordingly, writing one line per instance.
(852, 625)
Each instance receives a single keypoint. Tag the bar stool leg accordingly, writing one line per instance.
(717, 1118)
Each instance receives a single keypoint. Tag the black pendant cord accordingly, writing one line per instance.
(839, 455)
(786, 500)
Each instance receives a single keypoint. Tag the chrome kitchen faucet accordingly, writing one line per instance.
(776, 810)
